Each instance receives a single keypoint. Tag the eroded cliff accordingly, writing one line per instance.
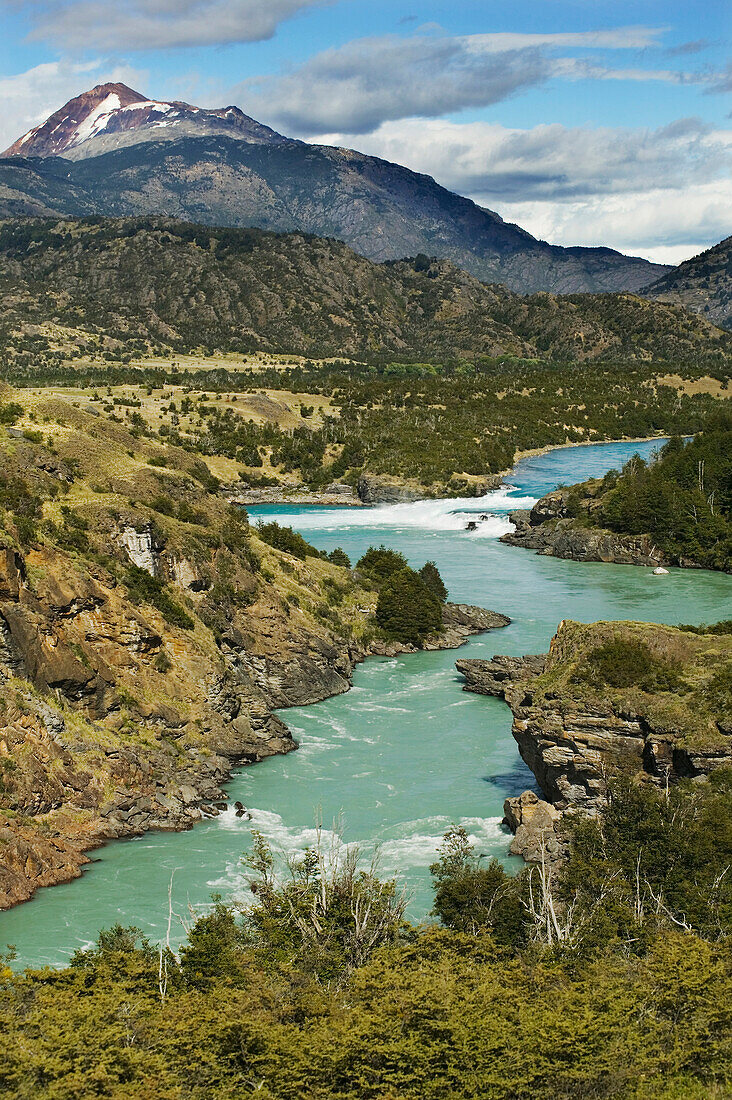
(610, 699)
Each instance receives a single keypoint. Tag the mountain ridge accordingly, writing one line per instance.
(702, 284)
(220, 167)
(163, 282)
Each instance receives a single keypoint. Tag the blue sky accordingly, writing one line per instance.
(588, 122)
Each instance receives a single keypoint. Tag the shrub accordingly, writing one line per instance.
(339, 557)
(470, 896)
(625, 663)
(143, 588)
(380, 563)
(286, 540)
(407, 610)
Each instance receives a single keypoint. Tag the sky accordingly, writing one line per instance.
(589, 122)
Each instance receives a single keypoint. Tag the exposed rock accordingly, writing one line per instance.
(335, 494)
(140, 548)
(563, 539)
(494, 676)
(535, 825)
(380, 489)
(575, 741)
(549, 529)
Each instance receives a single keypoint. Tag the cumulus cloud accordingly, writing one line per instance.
(28, 98)
(366, 82)
(666, 226)
(157, 24)
(634, 189)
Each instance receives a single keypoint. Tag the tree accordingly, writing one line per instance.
(380, 563)
(407, 610)
(340, 557)
(430, 574)
(470, 895)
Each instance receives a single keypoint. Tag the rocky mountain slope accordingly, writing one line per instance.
(111, 116)
(126, 155)
(615, 699)
(702, 284)
(165, 283)
(146, 634)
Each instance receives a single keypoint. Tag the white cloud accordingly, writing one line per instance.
(357, 86)
(636, 190)
(160, 24)
(618, 38)
(369, 81)
(666, 226)
(29, 98)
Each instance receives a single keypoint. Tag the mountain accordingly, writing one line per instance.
(113, 115)
(702, 284)
(160, 282)
(113, 152)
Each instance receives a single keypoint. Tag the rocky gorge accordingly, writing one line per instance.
(146, 637)
(634, 701)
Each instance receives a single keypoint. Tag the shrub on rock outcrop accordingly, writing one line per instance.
(407, 610)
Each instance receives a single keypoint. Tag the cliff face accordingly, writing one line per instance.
(146, 635)
(577, 731)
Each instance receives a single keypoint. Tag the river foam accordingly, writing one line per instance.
(427, 515)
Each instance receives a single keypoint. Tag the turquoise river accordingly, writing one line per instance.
(406, 751)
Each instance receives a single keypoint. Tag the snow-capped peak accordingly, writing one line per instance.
(98, 119)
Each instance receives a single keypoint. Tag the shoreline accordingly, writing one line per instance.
(536, 452)
(463, 621)
(300, 496)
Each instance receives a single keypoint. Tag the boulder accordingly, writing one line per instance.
(535, 826)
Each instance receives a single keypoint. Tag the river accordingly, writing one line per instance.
(406, 751)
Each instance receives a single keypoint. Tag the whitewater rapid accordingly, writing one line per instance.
(441, 514)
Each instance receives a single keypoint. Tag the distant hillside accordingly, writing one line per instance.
(112, 152)
(160, 282)
(702, 284)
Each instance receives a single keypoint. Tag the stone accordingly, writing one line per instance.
(535, 827)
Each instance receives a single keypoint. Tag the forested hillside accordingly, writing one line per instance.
(139, 284)
(676, 508)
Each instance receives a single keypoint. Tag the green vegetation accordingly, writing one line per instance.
(606, 977)
(440, 397)
(676, 679)
(683, 500)
(407, 610)
(124, 286)
(409, 607)
(142, 588)
(430, 574)
(627, 662)
(286, 540)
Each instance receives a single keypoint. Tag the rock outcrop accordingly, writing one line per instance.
(536, 826)
(380, 489)
(577, 734)
(549, 529)
(564, 539)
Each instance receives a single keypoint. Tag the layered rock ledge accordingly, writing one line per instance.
(578, 735)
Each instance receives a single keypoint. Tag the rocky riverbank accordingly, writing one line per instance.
(114, 723)
(578, 733)
(371, 489)
(549, 529)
